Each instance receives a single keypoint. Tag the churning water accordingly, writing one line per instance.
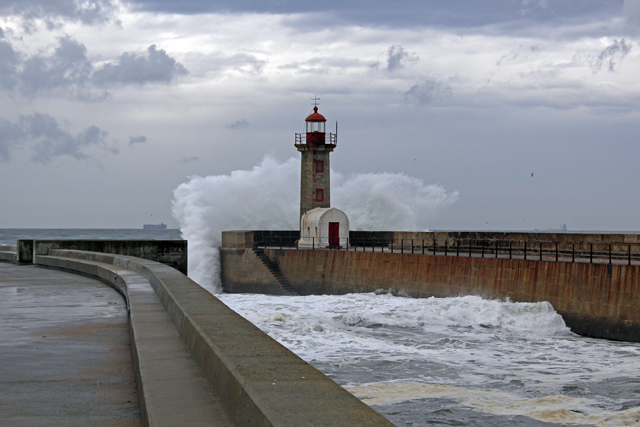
(456, 361)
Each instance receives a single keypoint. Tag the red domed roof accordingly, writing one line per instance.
(315, 116)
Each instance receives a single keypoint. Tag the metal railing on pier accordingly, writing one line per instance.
(548, 250)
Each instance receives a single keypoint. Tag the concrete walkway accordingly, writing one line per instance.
(65, 355)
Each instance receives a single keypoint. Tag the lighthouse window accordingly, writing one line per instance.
(319, 195)
(315, 127)
(319, 166)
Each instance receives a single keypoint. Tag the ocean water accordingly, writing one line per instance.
(456, 361)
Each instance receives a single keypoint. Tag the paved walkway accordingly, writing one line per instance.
(65, 355)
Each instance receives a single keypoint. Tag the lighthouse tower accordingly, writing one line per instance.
(321, 226)
(315, 145)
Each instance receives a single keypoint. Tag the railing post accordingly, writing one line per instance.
(609, 253)
(509, 249)
(496, 249)
(482, 244)
(446, 243)
(629, 254)
(540, 251)
(590, 253)
(469, 247)
(434, 246)
(556, 251)
(313, 243)
(392, 244)
(573, 252)
(458, 247)
(401, 246)
(412, 246)
(525, 250)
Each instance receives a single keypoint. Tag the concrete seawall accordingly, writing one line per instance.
(170, 252)
(255, 381)
(597, 300)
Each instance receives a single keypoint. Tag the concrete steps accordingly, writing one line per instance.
(275, 271)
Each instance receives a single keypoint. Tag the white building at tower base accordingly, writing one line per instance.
(324, 228)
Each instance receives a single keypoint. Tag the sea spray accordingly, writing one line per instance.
(267, 197)
(389, 201)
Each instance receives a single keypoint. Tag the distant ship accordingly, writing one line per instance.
(161, 226)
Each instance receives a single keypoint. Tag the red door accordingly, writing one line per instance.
(334, 234)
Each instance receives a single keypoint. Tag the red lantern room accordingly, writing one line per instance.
(315, 127)
(315, 133)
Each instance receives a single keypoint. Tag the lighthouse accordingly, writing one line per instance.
(320, 224)
(315, 145)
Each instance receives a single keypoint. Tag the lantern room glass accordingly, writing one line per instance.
(315, 127)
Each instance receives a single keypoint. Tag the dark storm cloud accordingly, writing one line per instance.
(69, 70)
(140, 139)
(426, 92)
(9, 62)
(131, 68)
(238, 124)
(398, 58)
(10, 135)
(86, 11)
(45, 136)
(611, 56)
(401, 13)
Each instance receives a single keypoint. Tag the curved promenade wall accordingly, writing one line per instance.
(596, 300)
(257, 381)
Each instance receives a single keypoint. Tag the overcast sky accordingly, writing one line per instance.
(529, 109)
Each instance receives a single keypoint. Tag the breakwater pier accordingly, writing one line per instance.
(592, 280)
(195, 361)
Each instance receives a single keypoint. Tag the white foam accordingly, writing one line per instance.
(267, 198)
(551, 409)
(497, 357)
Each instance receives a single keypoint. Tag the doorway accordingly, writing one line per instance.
(334, 234)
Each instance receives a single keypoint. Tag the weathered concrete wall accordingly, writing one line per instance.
(8, 253)
(242, 272)
(170, 252)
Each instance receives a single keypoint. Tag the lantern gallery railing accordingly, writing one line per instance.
(579, 251)
(329, 138)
